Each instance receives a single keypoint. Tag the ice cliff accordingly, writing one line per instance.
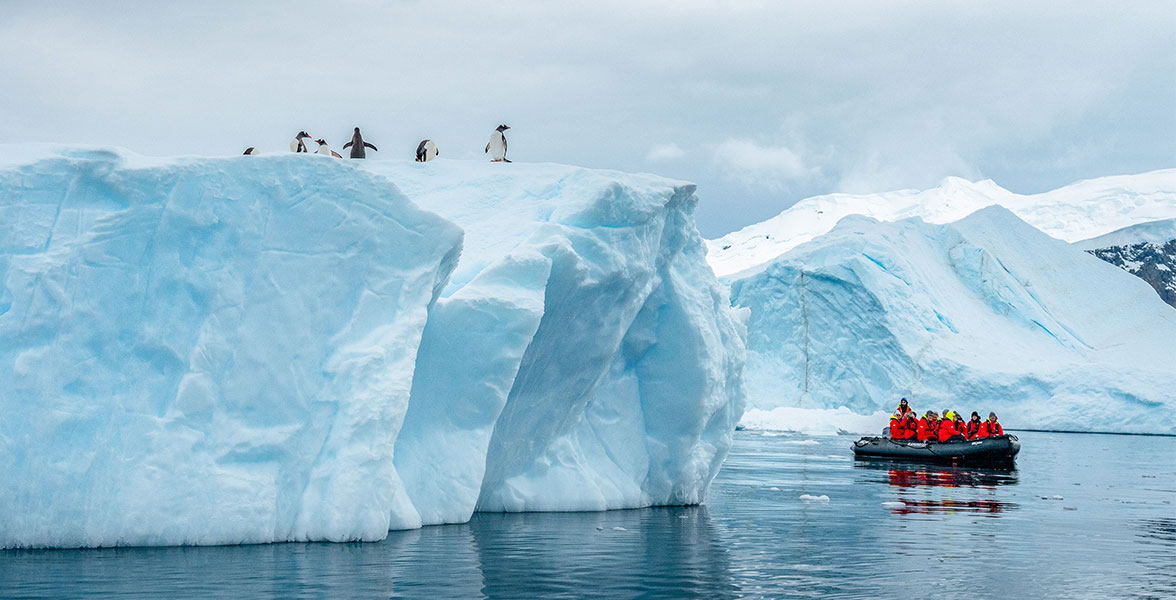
(256, 349)
(986, 313)
(582, 357)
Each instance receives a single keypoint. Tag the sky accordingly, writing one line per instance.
(759, 103)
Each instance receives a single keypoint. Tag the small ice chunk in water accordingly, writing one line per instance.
(811, 498)
(894, 504)
(619, 529)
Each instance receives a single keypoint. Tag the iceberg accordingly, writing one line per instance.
(279, 348)
(206, 351)
(986, 313)
(582, 357)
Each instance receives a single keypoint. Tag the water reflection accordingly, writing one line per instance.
(671, 552)
(909, 480)
(1158, 557)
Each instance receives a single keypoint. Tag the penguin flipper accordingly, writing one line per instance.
(347, 145)
(372, 146)
(336, 154)
(487, 148)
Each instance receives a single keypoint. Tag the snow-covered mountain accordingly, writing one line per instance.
(986, 313)
(1147, 250)
(257, 349)
(1072, 213)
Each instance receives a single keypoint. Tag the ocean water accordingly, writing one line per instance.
(1081, 516)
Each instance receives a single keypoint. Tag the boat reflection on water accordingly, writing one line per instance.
(909, 479)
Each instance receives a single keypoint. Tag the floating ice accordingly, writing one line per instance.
(811, 498)
(206, 351)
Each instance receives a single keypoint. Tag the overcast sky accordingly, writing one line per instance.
(760, 103)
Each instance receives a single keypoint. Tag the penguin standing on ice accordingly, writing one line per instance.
(357, 145)
(427, 151)
(298, 145)
(325, 150)
(497, 146)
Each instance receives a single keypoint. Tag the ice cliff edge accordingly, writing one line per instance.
(257, 349)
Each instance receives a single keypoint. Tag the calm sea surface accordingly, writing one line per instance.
(1082, 516)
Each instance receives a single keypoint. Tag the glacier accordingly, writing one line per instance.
(1072, 213)
(1146, 250)
(985, 313)
(259, 349)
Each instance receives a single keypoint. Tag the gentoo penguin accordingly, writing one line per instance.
(298, 145)
(357, 144)
(497, 145)
(427, 151)
(251, 151)
(325, 150)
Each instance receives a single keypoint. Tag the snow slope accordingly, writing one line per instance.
(205, 351)
(583, 356)
(987, 313)
(1147, 250)
(1151, 232)
(254, 349)
(1075, 212)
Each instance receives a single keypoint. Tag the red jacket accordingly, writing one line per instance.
(974, 429)
(926, 430)
(910, 428)
(989, 428)
(946, 430)
(896, 429)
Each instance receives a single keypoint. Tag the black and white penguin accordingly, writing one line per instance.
(298, 145)
(497, 145)
(251, 151)
(427, 151)
(357, 145)
(325, 150)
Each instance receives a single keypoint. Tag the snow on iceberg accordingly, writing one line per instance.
(987, 313)
(206, 351)
(1071, 213)
(583, 355)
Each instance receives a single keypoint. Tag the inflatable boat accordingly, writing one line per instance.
(1001, 449)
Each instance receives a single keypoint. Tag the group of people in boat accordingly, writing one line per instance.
(931, 427)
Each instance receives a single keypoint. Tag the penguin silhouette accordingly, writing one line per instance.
(426, 151)
(497, 146)
(357, 145)
(298, 145)
(251, 151)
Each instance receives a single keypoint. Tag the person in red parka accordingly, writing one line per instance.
(896, 428)
(928, 427)
(990, 427)
(910, 426)
(960, 426)
(973, 429)
(947, 428)
(904, 408)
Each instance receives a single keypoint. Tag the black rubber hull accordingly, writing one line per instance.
(993, 450)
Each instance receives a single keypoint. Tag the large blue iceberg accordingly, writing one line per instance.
(258, 349)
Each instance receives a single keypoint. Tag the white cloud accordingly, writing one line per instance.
(752, 162)
(663, 152)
